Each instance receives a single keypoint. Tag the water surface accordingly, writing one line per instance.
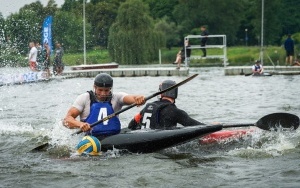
(31, 113)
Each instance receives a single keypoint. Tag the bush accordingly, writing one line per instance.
(92, 57)
(242, 59)
(10, 56)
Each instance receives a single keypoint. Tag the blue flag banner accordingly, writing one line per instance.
(47, 32)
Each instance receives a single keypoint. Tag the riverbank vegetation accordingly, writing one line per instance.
(237, 56)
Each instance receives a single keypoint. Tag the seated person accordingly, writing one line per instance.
(257, 68)
(296, 63)
(162, 114)
(180, 57)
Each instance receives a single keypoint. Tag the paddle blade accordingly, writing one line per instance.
(249, 74)
(41, 147)
(278, 121)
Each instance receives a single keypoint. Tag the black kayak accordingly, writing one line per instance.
(263, 74)
(155, 140)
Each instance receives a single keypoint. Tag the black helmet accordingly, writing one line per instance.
(165, 85)
(257, 61)
(103, 80)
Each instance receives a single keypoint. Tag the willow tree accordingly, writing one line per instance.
(132, 38)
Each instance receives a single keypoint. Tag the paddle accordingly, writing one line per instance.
(273, 121)
(124, 109)
(263, 74)
(249, 74)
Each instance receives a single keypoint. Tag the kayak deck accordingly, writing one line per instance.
(225, 135)
(152, 141)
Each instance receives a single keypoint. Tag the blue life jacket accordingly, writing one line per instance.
(257, 67)
(98, 111)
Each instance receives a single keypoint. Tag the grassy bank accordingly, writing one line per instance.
(237, 56)
(97, 56)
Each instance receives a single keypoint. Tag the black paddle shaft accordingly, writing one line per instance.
(133, 105)
(273, 121)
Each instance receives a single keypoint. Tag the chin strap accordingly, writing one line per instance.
(93, 97)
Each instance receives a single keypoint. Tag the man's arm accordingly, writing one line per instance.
(137, 99)
(185, 120)
(71, 122)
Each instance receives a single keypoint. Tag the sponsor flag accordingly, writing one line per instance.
(47, 32)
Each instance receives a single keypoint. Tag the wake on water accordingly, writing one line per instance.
(258, 144)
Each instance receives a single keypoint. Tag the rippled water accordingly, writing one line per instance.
(31, 114)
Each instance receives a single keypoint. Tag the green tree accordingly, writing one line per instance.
(22, 28)
(162, 8)
(70, 5)
(68, 30)
(26, 25)
(132, 39)
(290, 15)
(2, 28)
(9, 53)
(221, 17)
(50, 8)
(272, 22)
(169, 30)
(101, 16)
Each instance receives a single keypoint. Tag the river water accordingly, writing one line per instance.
(30, 114)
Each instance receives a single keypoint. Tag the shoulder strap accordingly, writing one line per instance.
(92, 97)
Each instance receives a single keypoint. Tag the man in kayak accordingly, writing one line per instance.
(257, 68)
(95, 105)
(162, 114)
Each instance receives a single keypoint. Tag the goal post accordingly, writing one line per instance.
(220, 43)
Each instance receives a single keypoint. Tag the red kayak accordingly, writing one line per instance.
(224, 135)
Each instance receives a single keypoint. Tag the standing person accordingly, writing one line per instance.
(46, 58)
(32, 57)
(162, 114)
(58, 65)
(289, 48)
(39, 59)
(180, 57)
(203, 40)
(94, 105)
(257, 68)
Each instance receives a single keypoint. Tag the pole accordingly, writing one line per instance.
(84, 42)
(262, 33)
(246, 36)
(159, 55)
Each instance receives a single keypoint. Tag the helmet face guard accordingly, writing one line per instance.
(103, 80)
(106, 81)
(165, 85)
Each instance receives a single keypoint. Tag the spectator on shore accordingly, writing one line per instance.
(32, 57)
(46, 58)
(180, 57)
(203, 40)
(39, 59)
(289, 49)
(58, 65)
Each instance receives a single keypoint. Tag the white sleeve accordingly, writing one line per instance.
(118, 100)
(30, 53)
(82, 102)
